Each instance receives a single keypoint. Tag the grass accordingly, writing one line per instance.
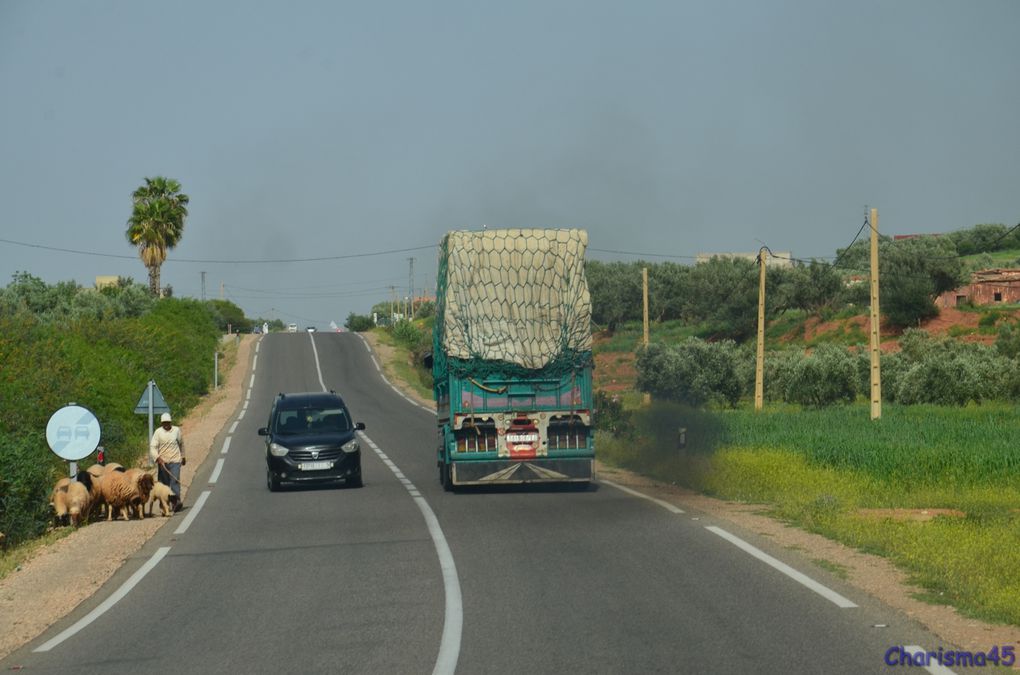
(12, 559)
(837, 570)
(821, 469)
(400, 366)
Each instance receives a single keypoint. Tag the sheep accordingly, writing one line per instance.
(113, 466)
(78, 502)
(165, 496)
(143, 482)
(58, 500)
(119, 492)
(92, 477)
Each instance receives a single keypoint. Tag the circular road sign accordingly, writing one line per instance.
(73, 432)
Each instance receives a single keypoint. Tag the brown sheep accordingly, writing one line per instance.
(143, 482)
(119, 492)
(165, 496)
(112, 466)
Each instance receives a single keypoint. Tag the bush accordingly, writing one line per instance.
(694, 372)
(359, 323)
(611, 416)
(828, 376)
(27, 473)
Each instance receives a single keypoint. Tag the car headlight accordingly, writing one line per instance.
(277, 450)
(351, 446)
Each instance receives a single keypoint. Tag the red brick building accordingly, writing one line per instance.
(987, 287)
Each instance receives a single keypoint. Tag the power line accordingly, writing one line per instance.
(222, 262)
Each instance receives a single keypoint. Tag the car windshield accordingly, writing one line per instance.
(312, 420)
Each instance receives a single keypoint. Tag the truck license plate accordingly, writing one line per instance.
(315, 466)
(522, 438)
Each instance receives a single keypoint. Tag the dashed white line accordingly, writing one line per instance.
(799, 577)
(233, 427)
(216, 471)
(105, 605)
(240, 415)
(192, 513)
(226, 445)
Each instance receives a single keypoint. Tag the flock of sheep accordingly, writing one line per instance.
(110, 489)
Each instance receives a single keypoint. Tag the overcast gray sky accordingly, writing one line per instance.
(325, 129)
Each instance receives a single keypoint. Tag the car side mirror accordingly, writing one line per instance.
(263, 431)
(360, 426)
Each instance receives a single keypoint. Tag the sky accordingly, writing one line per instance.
(360, 133)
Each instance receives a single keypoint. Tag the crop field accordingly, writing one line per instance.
(835, 472)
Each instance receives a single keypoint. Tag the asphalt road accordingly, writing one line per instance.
(503, 581)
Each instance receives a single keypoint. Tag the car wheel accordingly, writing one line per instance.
(272, 482)
(355, 480)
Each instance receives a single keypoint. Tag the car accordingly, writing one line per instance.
(291, 327)
(310, 329)
(311, 439)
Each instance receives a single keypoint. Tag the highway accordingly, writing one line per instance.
(402, 577)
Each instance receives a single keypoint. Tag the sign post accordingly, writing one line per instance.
(73, 433)
(150, 403)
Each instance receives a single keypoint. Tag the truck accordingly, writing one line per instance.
(512, 358)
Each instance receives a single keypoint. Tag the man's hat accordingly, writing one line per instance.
(165, 417)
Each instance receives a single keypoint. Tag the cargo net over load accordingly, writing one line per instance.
(512, 300)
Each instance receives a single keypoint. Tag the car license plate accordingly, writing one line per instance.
(522, 438)
(315, 466)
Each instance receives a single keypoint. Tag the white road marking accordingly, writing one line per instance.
(216, 471)
(245, 405)
(664, 504)
(240, 415)
(226, 445)
(453, 617)
(453, 620)
(105, 605)
(935, 668)
(251, 382)
(192, 513)
(799, 577)
(398, 392)
(233, 427)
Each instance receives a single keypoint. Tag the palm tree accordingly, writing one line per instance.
(156, 223)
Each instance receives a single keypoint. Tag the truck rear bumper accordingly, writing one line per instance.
(504, 472)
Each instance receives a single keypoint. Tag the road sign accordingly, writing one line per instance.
(73, 432)
(158, 402)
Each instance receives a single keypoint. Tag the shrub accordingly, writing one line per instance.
(694, 372)
(359, 323)
(611, 416)
(829, 375)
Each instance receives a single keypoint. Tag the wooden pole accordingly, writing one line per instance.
(876, 366)
(759, 364)
(644, 291)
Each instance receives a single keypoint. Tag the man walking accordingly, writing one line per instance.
(167, 449)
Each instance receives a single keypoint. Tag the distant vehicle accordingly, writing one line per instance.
(256, 329)
(310, 329)
(311, 439)
(291, 327)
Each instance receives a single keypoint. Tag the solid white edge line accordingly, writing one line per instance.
(799, 577)
(935, 668)
(105, 605)
(192, 513)
(226, 445)
(664, 504)
(216, 471)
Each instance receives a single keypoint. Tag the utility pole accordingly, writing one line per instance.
(410, 288)
(876, 365)
(221, 290)
(759, 362)
(393, 303)
(644, 293)
(203, 286)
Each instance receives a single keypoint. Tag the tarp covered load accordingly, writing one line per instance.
(517, 296)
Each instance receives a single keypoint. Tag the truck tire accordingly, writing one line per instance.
(445, 477)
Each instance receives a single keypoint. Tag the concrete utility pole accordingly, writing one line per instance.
(759, 363)
(876, 350)
(644, 292)
(203, 286)
(410, 288)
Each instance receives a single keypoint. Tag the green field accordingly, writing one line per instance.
(825, 469)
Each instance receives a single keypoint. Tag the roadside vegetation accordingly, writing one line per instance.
(98, 348)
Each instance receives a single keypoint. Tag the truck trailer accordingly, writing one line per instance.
(512, 358)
